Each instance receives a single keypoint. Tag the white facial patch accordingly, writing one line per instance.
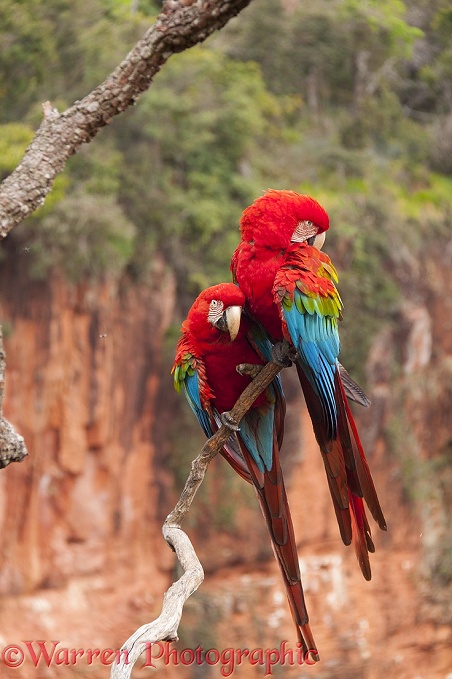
(215, 311)
(303, 231)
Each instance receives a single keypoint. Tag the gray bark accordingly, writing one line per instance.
(12, 445)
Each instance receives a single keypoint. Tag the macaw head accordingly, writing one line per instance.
(279, 218)
(216, 314)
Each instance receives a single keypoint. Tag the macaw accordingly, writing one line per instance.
(289, 285)
(215, 339)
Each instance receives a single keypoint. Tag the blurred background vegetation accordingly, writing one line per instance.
(348, 100)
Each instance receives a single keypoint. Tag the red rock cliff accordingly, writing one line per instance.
(78, 517)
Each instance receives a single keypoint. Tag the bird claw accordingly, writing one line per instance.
(228, 421)
(283, 353)
(250, 369)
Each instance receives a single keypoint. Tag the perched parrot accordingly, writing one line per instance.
(289, 285)
(215, 339)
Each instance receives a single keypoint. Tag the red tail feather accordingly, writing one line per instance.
(347, 471)
(272, 496)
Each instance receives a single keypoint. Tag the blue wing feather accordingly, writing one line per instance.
(316, 339)
(256, 432)
(191, 387)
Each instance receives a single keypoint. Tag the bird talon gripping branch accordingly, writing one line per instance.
(283, 354)
(228, 421)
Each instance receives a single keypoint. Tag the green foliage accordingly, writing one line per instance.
(99, 170)
(14, 139)
(311, 99)
(27, 51)
(85, 235)
(366, 236)
(322, 107)
(322, 49)
(188, 149)
(123, 9)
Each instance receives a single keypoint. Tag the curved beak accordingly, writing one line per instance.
(232, 315)
(319, 240)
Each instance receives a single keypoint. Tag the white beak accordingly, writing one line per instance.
(233, 315)
(319, 240)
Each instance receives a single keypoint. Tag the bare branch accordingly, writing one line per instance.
(179, 26)
(12, 445)
(166, 625)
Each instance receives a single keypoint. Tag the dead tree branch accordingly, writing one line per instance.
(12, 445)
(165, 627)
(179, 26)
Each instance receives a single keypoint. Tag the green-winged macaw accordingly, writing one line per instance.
(289, 285)
(215, 339)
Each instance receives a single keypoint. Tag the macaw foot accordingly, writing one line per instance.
(228, 421)
(283, 353)
(250, 369)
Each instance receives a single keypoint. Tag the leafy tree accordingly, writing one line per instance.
(28, 50)
(192, 150)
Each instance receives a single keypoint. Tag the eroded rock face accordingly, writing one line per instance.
(83, 378)
(82, 558)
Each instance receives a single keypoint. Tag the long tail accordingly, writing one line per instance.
(348, 474)
(272, 496)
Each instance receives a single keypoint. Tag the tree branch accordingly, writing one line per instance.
(12, 445)
(165, 627)
(180, 25)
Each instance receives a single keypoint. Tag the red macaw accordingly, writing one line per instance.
(215, 339)
(289, 285)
